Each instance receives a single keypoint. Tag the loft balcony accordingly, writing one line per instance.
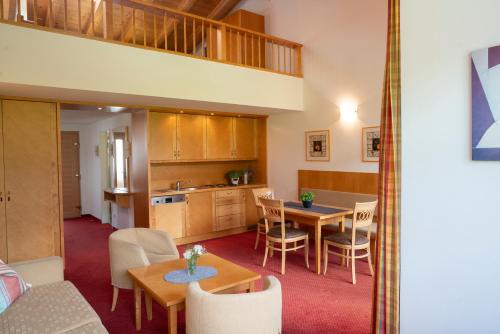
(141, 54)
(153, 26)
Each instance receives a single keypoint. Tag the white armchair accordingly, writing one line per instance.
(244, 313)
(136, 247)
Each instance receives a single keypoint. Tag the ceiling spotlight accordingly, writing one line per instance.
(211, 114)
(182, 111)
(99, 108)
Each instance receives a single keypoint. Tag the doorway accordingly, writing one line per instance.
(70, 161)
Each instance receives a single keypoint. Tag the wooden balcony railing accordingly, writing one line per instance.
(153, 26)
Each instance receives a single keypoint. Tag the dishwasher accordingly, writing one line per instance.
(169, 214)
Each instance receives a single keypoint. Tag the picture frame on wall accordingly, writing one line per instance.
(370, 144)
(318, 145)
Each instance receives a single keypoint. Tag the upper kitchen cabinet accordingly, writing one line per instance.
(245, 138)
(191, 137)
(177, 137)
(163, 136)
(220, 138)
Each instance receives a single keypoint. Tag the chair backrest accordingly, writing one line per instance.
(262, 192)
(243, 313)
(137, 247)
(274, 212)
(363, 216)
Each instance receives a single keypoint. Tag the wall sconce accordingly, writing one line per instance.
(349, 111)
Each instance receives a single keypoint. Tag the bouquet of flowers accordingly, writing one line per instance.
(191, 255)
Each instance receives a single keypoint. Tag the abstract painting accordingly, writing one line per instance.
(486, 104)
(318, 145)
(370, 144)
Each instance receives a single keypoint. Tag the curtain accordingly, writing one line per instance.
(385, 312)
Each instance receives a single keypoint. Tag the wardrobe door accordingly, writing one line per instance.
(31, 179)
(3, 224)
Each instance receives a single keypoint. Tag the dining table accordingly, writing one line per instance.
(316, 216)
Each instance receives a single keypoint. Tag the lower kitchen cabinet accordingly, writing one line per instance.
(200, 211)
(171, 218)
(230, 209)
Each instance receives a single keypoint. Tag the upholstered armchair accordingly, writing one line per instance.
(242, 313)
(136, 247)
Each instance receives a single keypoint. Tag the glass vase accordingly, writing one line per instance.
(191, 266)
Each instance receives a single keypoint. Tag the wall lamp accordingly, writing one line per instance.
(348, 111)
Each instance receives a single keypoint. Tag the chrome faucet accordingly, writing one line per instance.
(178, 185)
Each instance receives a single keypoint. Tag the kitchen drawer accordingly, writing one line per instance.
(228, 193)
(227, 222)
(226, 210)
(228, 200)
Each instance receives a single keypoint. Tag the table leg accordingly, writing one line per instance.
(172, 319)
(317, 241)
(137, 300)
(149, 305)
(251, 286)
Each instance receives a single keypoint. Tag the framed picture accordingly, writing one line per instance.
(318, 145)
(370, 144)
(486, 104)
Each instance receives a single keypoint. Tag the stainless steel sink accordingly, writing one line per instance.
(190, 188)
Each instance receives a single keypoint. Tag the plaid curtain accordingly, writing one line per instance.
(385, 313)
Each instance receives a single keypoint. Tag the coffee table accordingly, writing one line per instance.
(230, 278)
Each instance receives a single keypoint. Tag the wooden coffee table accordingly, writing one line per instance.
(230, 278)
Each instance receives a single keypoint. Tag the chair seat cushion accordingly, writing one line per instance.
(290, 233)
(345, 238)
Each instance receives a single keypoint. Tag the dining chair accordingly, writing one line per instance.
(261, 225)
(352, 241)
(274, 213)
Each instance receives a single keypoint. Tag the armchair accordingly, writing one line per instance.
(136, 247)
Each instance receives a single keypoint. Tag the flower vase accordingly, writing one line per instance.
(191, 265)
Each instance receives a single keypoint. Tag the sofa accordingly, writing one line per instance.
(52, 305)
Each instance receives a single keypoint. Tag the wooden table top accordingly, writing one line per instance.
(150, 278)
(319, 215)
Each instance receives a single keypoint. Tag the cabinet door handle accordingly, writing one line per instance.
(8, 196)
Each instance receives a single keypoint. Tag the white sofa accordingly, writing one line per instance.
(52, 305)
(242, 313)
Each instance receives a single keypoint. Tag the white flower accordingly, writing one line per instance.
(188, 254)
(198, 249)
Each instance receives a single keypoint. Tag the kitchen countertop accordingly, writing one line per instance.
(175, 192)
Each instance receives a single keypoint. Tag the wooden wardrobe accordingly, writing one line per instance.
(30, 185)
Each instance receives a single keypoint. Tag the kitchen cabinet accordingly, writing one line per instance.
(185, 137)
(191, 137)
(220, 141)
(200, 213)
(30, 210)
(171, 218)
(177, 137)
(230, 209)
(162, 136)
(252, 214)
(245, 143)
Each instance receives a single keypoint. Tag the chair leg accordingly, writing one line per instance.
(325, 257)
(283, 257)
(306, 251)
(370, 262)
(265, 253)
(353, 267)
(347, 258)
(115, 298)
(257, 238)
(271, 251)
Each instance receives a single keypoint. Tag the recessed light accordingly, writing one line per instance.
(182, 111)
(211, 114)
(99, 108)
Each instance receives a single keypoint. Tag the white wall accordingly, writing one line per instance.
(90, 168)
(88, 70)
(450, 221)
(344, 57)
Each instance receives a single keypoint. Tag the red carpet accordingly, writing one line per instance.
(311, 303)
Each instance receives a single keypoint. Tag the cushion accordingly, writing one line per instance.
(345, 238)
(290, 233)
(50, 308)
(12, 286)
